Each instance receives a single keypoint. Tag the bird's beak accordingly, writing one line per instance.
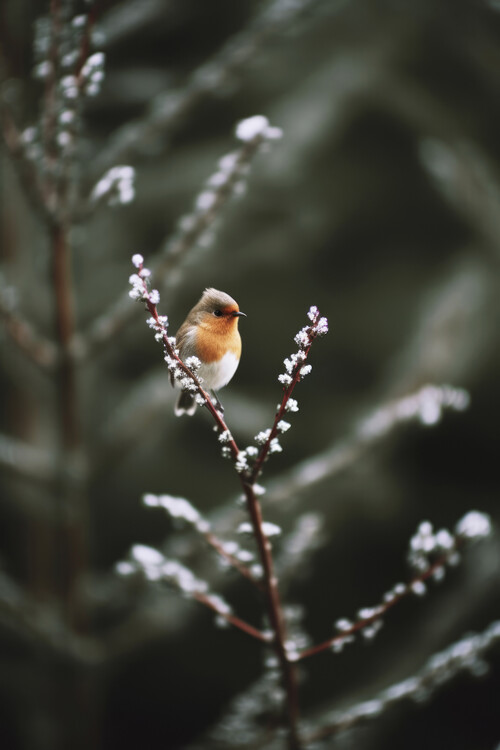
(237, 314)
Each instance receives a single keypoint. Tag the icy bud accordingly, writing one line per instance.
(178, 508)
(138, 291)
(193, 363)
(146, 556)
(116, 185)
(271, 529)
(255, 126)
(474, 525)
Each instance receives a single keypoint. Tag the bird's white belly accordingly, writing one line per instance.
(218, 374)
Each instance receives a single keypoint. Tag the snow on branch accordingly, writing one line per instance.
(195, 227)
(466, 655)
(429, 553)
(157, 568)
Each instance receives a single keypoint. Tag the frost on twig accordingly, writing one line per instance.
(169, 110)
(182, 511)
(466, 655)
(429, 553)
(156, 568)
(116, 186)
(192, 228)
(296, 369)
(425, 405)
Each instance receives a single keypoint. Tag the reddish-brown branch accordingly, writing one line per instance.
(275, 613)
(248, 479)
(231, 559)
(385, 606)
(64, 324)
(85, 45)
(49, 119)
(264, 451)
(233, 619)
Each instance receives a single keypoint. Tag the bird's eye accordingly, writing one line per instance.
(218, 313)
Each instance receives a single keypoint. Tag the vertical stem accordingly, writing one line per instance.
(71, 505)
(64, 324)
(275, 613)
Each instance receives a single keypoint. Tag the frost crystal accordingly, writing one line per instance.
(248, 129)
(262, 436)
(138, 291)
(245, 528)
(193, 363)
(117, 185)
(313, 313)
(474, 525)
(285, 379)
(274, 446)
(147, 556)
(302, 338)
(241, 463)
(178, 508)
(271, 529)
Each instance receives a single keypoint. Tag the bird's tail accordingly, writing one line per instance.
(186, 404)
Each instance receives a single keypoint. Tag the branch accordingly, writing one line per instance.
(155, 567)
(220, 187)
(185, 377)
(422, 546)
(466, 655)
(37, 348)
(168, 111)
(179, 508)
(425, 405)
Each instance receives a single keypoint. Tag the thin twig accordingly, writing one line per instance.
(22, 333)
(218, 546)
(248, 479)
(232, 619)
(171, 252)
(385, 606)
(169, 110)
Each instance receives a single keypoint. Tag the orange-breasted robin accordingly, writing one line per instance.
(210, 332)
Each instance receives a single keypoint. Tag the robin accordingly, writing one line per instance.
(210, 332)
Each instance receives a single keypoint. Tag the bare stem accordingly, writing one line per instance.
(275, 613)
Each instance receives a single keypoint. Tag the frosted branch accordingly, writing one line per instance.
(157, 568)
(180, 509)
(464, 656)
(429, 553)
(169, 110)
(214, 196)
(425, 405)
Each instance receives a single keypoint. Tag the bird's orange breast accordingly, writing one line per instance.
(214, 341)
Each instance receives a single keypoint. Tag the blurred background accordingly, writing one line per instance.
(380, 206)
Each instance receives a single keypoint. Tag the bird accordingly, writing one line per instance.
(210, 332)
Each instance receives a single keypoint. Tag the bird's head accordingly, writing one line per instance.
(218, 310)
